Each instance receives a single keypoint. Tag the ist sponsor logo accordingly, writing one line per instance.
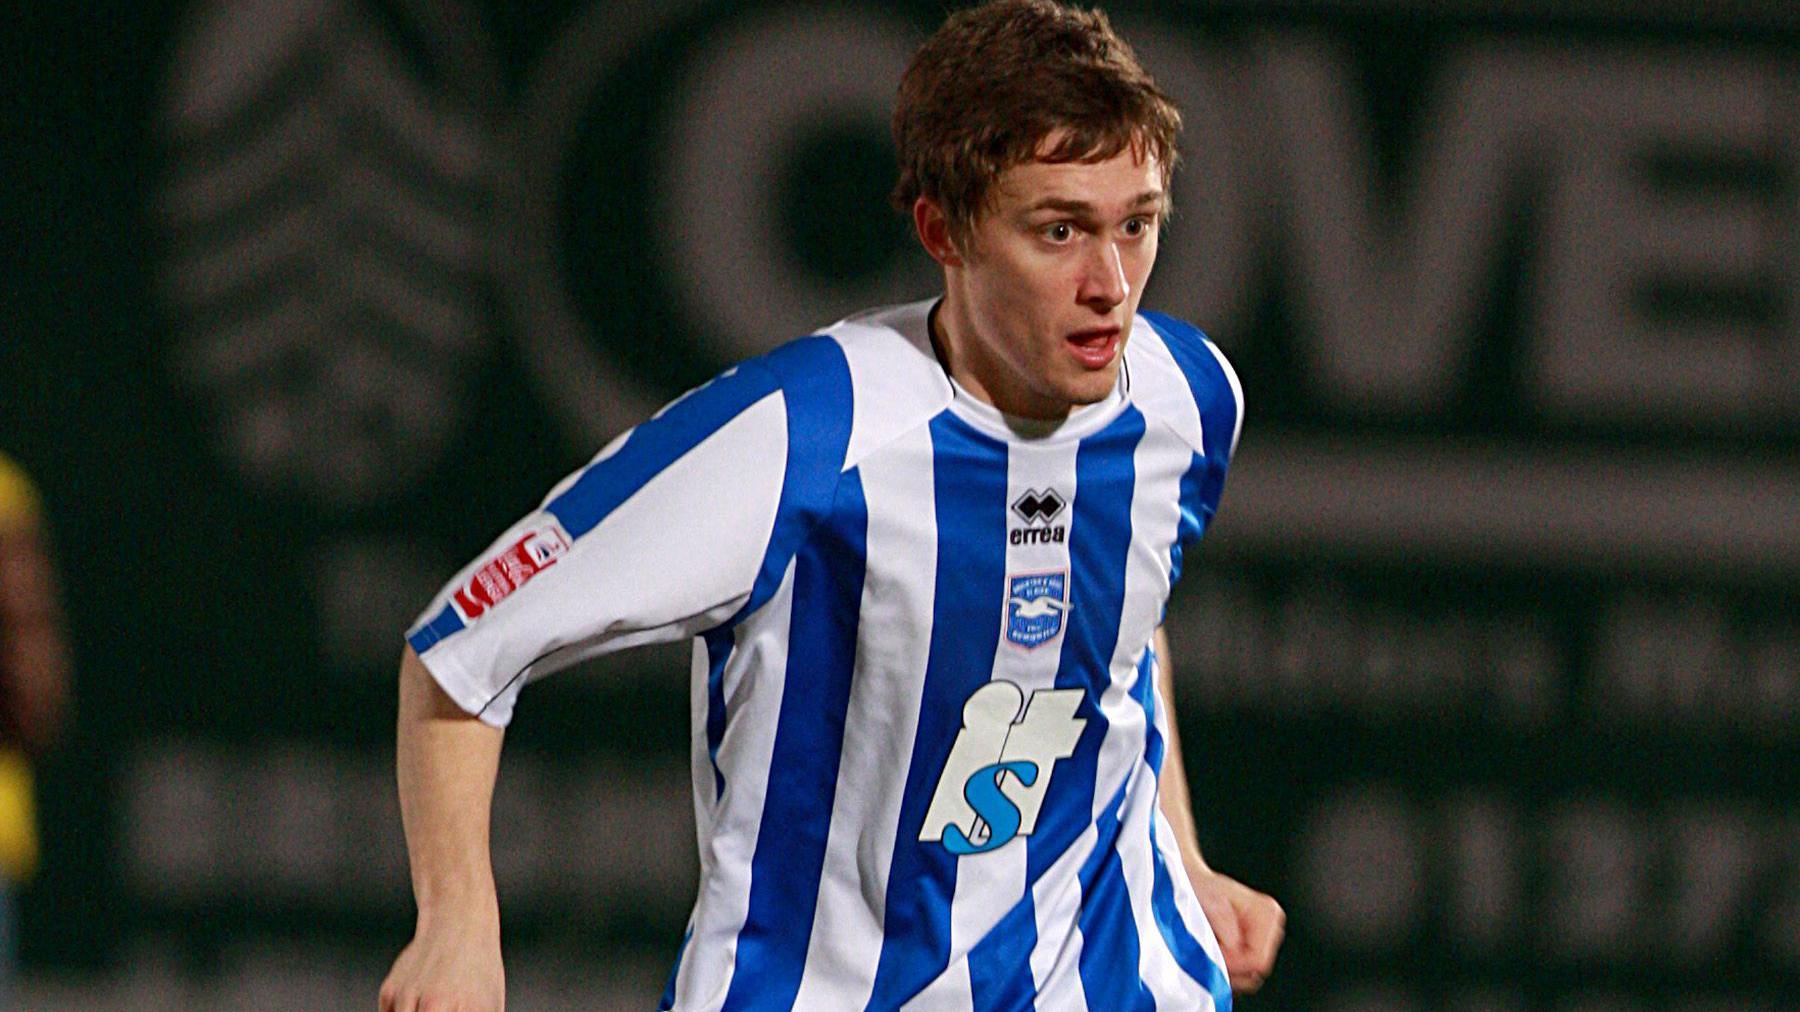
(993, 783)
(506, 572)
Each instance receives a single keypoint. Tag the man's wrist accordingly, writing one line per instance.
(459, 902)
(1196, 864)
(474, 921)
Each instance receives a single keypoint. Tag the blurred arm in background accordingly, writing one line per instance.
(34, 656)
(1248, 924)
(446, 762)
(34, 687)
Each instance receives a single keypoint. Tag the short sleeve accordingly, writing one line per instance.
(680, 525)
(660, 535)
(1218, 398)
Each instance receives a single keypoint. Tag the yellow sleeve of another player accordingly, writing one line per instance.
(18, 498)
(18, 817)
(18, 822)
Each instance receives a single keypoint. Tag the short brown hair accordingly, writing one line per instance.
(994, 81)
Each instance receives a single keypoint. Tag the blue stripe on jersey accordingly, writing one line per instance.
(1099, 545)
(970, 474)
(1109, 941)
(814, 378)
(427, 635)
(1099, 539)
(803, 769)
(1000, 964)
(1212, 394)
(655, 445)
(1145, 693)
(1189, 954)
(815, 381)
(1194, 515)
(719, 644)
(668, 995)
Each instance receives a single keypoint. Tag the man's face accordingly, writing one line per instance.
(1050, 279)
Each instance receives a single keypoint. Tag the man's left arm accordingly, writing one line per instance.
(1248, 924)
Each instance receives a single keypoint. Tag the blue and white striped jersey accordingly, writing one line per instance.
(926, 736)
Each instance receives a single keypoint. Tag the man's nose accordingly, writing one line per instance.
(1103, 283)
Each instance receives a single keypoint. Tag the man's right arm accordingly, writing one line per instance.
(446, 762)
(667, 532)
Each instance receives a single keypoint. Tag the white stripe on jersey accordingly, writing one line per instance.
(892, 651)
(753, 690)
(1056, 959)
(1237, 393)
(700, 762)
(899, 384)
(990, 884)
(1154, 508)
(1159, 389)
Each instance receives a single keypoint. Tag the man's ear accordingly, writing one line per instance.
(934, 232)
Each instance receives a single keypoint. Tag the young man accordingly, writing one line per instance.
(929, 716)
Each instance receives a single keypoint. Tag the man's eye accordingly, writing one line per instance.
(1059, 232)
(1136, 227)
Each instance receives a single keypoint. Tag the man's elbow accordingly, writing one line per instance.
(420, 694)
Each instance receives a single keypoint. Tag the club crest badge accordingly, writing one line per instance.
(1035, 604)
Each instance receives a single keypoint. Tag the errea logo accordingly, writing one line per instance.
(1036, 507)
(1039, 510)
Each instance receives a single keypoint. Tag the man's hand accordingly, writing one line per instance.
(1248, 924)
(453, 969)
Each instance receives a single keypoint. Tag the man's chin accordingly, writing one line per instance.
(1092, 387)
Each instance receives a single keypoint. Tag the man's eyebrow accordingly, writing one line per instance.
(1155, 198)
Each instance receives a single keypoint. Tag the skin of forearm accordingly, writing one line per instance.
(37, 673)
(1177, 806)
(445, 762)
(34, 657)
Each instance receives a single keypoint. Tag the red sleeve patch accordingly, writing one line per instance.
(511, 569)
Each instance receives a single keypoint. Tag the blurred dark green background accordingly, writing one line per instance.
(1490, 670)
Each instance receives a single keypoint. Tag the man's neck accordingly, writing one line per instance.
(965, 358)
